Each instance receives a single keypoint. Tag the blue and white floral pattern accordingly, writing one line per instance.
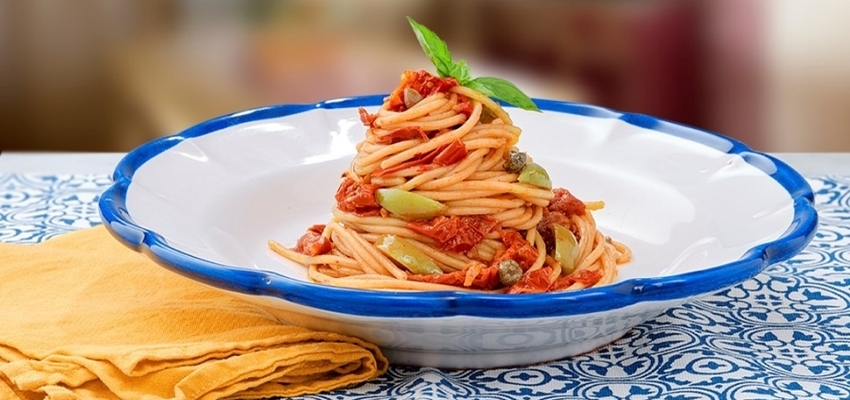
(783, 335)
(37, 207)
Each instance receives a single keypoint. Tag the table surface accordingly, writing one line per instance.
(104, 163)
(783, 335)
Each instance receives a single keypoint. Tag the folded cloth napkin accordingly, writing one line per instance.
(83, 317)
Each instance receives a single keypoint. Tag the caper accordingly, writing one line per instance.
(515, 162)
(509, 272)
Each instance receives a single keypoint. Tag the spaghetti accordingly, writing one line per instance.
(439, 198)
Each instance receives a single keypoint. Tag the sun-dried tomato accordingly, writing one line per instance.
(357, 198)
(400, 134)
(312, 243)
(487, 278)
(448, 154)
(565, 203)
(456, 233)
(518, 249)
(586, 277)
(463, 106)
(366, 118)
(421, 81)
(451, 153)
(533, 282)
(422, 161)
(544, 227)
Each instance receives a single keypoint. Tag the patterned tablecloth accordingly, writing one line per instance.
(783, 335)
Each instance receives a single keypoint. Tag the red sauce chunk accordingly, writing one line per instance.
(451, 153)
(565, 203)
(357, 198)
(366, 118)
(532, 282)
(312, 243)
(518, 249)
(463, 106)
(559, 211)
(421, 81)
(447, 154)
(586, 277)
(456, 233)
(400, 134)
(487, 278)
(544, 227)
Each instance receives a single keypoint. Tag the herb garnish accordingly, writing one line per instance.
(437, 50)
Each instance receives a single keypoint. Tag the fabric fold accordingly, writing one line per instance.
(84, 317)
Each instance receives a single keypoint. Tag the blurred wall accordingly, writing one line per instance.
(808, 67)
(102, 75)
(54, 87)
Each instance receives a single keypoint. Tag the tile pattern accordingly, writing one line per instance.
(782, 335)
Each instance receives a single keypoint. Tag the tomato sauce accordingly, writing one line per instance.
(456, 233)
(312, 243)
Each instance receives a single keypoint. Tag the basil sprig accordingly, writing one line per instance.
(498, 88)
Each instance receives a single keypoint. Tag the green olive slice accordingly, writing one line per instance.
(408, 205)
(407, 255)
(566, 248)
(534, 174)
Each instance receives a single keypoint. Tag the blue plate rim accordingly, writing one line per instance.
(389, 304)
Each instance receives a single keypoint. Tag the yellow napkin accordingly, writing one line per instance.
(83, 317)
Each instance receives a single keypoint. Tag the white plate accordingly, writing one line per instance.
(701, 212)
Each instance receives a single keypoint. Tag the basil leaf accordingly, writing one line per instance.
(460, 71)
(503, 90)
(434, 47)
(437, 50)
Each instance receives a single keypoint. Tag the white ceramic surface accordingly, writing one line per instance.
(700, 212)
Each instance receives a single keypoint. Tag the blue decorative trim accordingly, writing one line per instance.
(443, 304)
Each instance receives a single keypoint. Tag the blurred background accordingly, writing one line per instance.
(104, 75)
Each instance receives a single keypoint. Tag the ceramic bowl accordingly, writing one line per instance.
(701, 212)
